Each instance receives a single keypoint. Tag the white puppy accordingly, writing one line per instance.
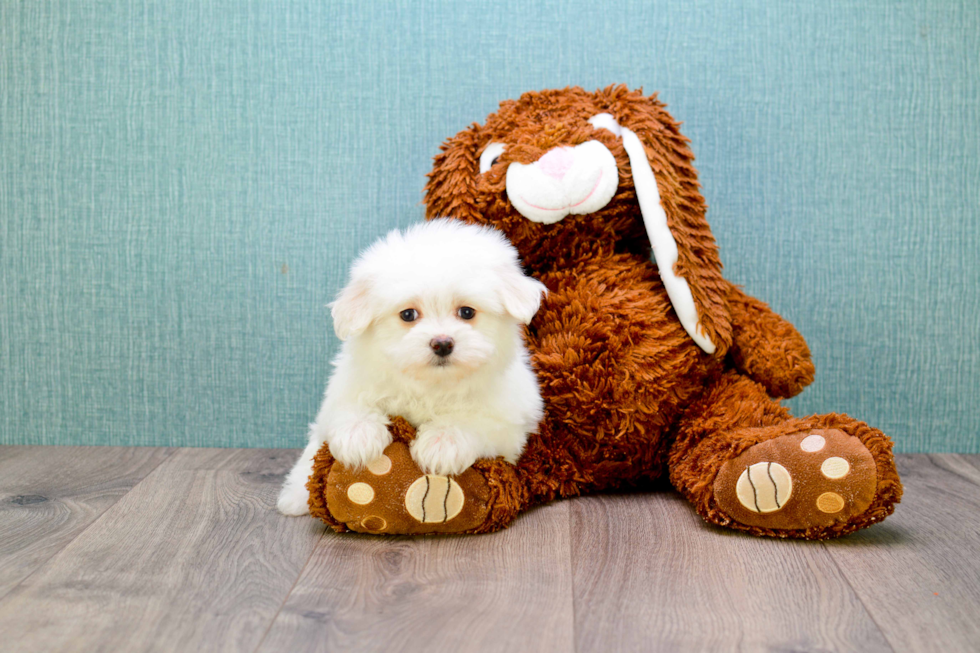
(431, 323)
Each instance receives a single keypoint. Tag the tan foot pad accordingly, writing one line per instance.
(798, 481)
(393, 496)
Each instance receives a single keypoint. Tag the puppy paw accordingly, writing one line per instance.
(293, 500)
(445, 451)
(360, 443)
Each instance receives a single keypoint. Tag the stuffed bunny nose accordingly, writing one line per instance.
(442, 345)
(557, 162)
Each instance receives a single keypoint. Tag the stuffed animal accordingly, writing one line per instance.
(648, 365)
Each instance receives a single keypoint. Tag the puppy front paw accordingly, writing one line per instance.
(360, 443)
(444, 451)
(293, 500)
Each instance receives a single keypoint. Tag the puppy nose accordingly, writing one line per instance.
(442, 345)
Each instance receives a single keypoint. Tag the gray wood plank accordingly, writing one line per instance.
(649, 575)
(193, 558)
(919, 571)
(502, 591)
(48, 495)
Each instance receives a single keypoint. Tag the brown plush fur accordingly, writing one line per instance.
(628, 394)
(494, 493)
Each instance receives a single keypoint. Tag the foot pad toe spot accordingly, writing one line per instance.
(380, 466)
(360, 493)
(830, 502)
(835, 468)
(813, 443)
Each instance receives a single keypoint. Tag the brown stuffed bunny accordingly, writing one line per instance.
(645, 367)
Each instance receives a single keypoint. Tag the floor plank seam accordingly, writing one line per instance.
(168, 454)
(275, 617)
(936, 459)
(571, 578)
(867, 611)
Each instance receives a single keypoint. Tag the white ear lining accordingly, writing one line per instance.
(655, 220)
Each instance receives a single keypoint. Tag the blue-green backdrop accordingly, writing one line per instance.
(183, 185)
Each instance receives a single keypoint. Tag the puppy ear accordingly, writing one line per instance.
(521, 295)
(351, 311)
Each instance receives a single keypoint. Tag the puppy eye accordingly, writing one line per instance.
(409, 315)
(466, 313)
(490, 156)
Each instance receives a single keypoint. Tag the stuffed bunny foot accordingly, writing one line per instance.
(813, 479)
(745, 463)
(393, 496)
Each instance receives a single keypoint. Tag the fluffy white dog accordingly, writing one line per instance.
(431, 323)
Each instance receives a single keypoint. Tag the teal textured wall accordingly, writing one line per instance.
(183, 185)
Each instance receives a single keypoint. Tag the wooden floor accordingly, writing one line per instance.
(131, 549)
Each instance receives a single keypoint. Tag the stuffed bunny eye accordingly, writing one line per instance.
(409, 315)
(490, 156)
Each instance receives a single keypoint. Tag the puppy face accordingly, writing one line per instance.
(444, 334)
(437, 302)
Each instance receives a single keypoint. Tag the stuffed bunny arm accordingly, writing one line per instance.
(767, 348)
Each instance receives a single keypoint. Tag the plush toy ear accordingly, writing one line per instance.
(351, 311)
(520, 295)
(451, 188)
(666, 187)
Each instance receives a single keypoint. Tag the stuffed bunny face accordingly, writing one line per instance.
(569, 175)
(541, 173)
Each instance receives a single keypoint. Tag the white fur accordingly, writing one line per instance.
(482, 403)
